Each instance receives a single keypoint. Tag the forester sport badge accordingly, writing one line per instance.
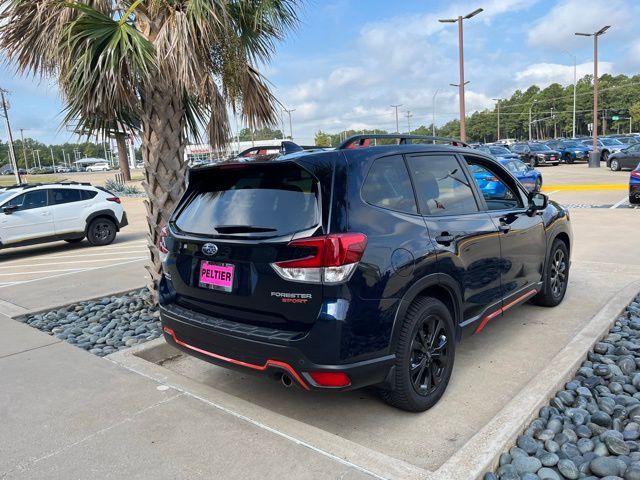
(209, 249)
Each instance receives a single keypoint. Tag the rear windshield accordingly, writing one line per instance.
(270, 200)
(539, 147)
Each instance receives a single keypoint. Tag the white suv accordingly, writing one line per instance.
(98, 167)
(69, 211)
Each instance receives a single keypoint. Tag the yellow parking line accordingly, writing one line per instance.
(578, 188)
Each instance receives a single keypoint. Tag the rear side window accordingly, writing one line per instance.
(60, 196)
(441, 185)
(388, 185)
(273, 199)
(88, 194)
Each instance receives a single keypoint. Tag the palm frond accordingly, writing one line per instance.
(259, 105)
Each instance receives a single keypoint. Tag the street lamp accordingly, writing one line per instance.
(498, 100)
(594, 160)
(575, 83)
(460, 19)
(433, 120)
(397, 124)
(530, 107)
(290, 123)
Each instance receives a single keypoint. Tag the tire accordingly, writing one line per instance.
(556, 276)
(614, 165)
(428, 320)
(538, 185)
(568, 159)
(74, 240)
(533, 162)
(101, 231)
(605, 156)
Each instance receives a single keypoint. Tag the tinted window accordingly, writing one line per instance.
(500, 150)
(611, 142)
(64, 195)
(88, 194)
(441, 185)
(519, 148)
(536, 147)
(29, 200)
(516, 166)
(495, 189)
(388, 186)
(571, 144)
(272, 199)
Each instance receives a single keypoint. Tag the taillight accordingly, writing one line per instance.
(491, 179)
(113, 199)
(330, 379)
(329, 259)
(635, 174)
(162, 246)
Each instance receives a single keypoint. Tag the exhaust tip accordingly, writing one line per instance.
(286, 380)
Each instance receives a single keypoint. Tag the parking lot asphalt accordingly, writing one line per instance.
(491, 368)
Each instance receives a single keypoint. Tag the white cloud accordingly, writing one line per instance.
(559, 25)
(544, 74)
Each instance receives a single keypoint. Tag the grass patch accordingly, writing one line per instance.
(7, 181)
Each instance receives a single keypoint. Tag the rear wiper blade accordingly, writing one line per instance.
(242, 229)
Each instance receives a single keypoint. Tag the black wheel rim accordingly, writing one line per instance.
(102, 231)
(429, 355)
(558, 273)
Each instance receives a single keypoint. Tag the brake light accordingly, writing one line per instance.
(330, 379)
(113, 199)
(491, 179)
(329, 259)
(635, 174)
(162, 246)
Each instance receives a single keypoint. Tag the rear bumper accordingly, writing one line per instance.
(260, 350)
(634, 193)
(124, 222)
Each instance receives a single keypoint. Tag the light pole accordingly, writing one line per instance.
(575, 84)
(498, 100)
(12, 153)
(433, 120)
(397, 124)
(290, 123)
(24, 149)
(409, 115)
(460, 20)
(594, 160)
(530, 122)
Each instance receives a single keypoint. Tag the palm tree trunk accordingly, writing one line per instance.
(164, 167)
(123, 161)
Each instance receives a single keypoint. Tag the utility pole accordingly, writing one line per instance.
(594, 160)
(290, 123)
(460, 19)
(12, 153)
(53, 160)
(24, 149)
(433, 120)
(409, 115)
(575, 84)
(38, 154)
(530, 107)
(397, 124)
(498, 100)
(553, 117)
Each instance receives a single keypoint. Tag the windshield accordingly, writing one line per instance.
(538, 147)
(572, 144)
(500, 151)
(4, 196)
(611, 141)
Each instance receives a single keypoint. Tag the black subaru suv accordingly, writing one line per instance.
(357, 266)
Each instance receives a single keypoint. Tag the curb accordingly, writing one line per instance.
(502, 431)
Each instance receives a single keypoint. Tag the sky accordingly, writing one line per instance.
(350, 60)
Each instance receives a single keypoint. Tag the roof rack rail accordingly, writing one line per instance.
(41, 184)
(364, 140)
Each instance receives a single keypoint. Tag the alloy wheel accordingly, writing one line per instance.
(558, 273)
(102, 231)
(429, 355)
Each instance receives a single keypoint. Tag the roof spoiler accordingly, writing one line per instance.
(287, 147)
(364, 140)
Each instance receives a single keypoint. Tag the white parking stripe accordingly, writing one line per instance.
(41, 271)
(625, 199)
(119, 252)
(71, 273)
(17, 265)
(551, 193)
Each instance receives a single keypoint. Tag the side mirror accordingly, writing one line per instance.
(10, 209)
(538, 201)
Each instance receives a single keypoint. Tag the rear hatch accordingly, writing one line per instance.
(234, 221)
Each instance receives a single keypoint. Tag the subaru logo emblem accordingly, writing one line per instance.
(209, 249)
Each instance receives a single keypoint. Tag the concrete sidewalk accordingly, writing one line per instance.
(70, 415)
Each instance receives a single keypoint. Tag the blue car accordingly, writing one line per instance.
(571, 150)
(498, 151)
(530, 177)
(634, 186)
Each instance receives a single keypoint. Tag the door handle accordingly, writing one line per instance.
(445, 239)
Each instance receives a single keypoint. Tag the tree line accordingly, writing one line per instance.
(551, 113)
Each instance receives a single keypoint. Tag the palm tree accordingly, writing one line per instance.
(171, 67)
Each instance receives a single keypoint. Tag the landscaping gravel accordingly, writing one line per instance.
(102, 326)
(591, 429)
